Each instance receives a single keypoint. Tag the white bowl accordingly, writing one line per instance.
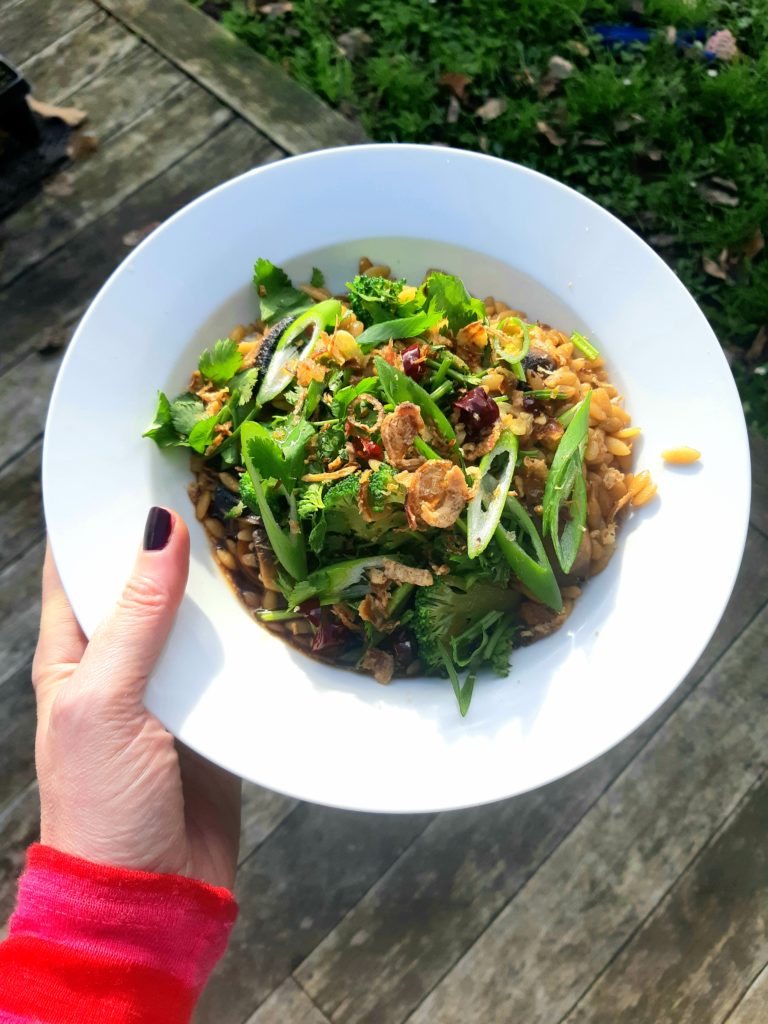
(240, 696)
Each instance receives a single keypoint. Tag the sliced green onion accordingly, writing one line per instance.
(423, 448)
(535, 573)
(293, 347)
(566, 417)
(580, 342)
(440, 392)
(441, 372)
(547, 394)
(562, 484)
(513, 359)
(281, 615)
(532, 453)
(484, 510)
(567, 544)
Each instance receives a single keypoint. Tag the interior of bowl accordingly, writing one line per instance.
(239, 694)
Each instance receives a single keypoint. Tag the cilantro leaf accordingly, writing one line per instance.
(201, 435)
(221, 363)
(277, 295)
(279, 461)
(316, 537)
(186, 410)
(244, 383)
(448, 294)
(161, 428)
(318, 278)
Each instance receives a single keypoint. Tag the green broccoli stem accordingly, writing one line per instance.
(399, 599)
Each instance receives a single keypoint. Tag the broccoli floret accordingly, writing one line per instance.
(458, 620)
(342, 509)
(375, 299)
(383, 490)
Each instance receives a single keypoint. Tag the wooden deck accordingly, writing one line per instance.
(635, 890)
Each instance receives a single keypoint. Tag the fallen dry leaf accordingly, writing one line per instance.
(725, 182)
(482, 142)
(453, 111)
(713, 268)
(354, 43)
(61, 186)
(82, 145)
(456, 81)
(549, 133)
(132, 238)
(756, 349)
(654, 154)
(491, 109)
(578, 47)
(276, 10)
(71, 116)
(594, 143)
(560, 68)
(718, 195)
(754, 244)
(670, 34)
(662, 241)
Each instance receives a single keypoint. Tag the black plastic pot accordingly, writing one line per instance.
(16, 118)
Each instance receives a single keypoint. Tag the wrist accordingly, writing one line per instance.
(93, 933)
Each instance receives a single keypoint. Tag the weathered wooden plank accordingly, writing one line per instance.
(258, 90)
(753, 1008)
(116, 98)
(587, 900)
(21, 513)
(287, 1005)
(262, 811)
(759, 450)
(382, 958)
(32, 377)
(19, 611)
(17, 734)
(155, 141)
(19, 826)
(293, 890)
(75, 59)
(63, 283)
(32, 25)
(693, 959)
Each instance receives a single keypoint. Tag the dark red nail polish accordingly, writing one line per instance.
(158, 529)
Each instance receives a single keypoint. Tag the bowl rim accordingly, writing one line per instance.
(434, 152)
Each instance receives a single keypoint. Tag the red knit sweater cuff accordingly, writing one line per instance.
(92, 942)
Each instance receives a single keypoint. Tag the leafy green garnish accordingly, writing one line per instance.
(278, 297)
(375, 299)
(403, 327)
(186, 411)
(161, 429)
(333, 579)
(244, 383)
(448, 294)
(317, 280)
(222, 362)
(281, 461)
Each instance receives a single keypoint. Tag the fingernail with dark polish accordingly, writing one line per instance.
(158, 529)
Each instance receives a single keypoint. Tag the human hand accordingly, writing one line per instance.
(115, 788)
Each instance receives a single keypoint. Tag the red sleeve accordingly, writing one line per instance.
(95, 943)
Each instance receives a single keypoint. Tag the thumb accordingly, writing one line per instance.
(124, 648)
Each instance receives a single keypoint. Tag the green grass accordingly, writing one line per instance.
(644, 130)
